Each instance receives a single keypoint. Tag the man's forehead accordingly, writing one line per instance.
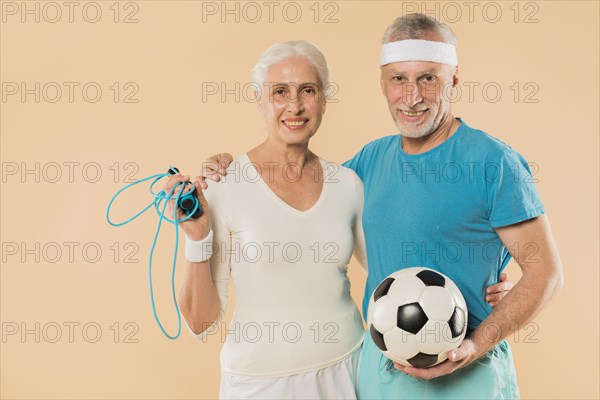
(291, 83)
(418, 67)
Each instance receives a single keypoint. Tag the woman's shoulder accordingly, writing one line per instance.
(342, 180)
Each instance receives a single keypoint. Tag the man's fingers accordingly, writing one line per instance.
(224, 160)
(420, 373)
(209, 167)
(415, 372)
(399, 367)
(455, 355)
(213, 177)
(215, 167)
(225, 157)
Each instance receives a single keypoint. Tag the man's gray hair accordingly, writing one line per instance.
(414, 26)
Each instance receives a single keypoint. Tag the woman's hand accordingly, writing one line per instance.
(195, 229)
(496, 292)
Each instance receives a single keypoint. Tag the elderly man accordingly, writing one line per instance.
(447, 196)
(451, 197)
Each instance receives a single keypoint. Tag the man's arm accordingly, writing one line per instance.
(215, 167)
(533, 247)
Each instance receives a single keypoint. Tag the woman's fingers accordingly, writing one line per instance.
(200, 195)
(174, 180)
(173, 184)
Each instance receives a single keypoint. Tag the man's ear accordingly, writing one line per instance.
(455, 77)
(381, 81)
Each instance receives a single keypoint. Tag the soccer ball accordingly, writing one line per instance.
(416, 315)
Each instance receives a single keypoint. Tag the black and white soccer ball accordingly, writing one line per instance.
(416, 316)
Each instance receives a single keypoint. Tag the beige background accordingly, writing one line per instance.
(168, 55)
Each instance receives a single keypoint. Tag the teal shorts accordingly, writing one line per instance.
(491, 377)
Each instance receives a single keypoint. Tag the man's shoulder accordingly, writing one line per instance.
(489, 149)
(381, 144)
(383, 141)
(484, 143)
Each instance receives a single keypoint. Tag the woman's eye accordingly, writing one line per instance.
(278, 91)
(310, 90)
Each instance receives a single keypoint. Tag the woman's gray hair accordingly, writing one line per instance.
(414, 26)
(282, 51)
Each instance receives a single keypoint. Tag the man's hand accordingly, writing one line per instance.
(463, 355)
(542, 279)
(215, 167)
(460, 357)
(496, 292)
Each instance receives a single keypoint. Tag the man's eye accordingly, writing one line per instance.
(279, 91)
(397, 78)
(430, 78)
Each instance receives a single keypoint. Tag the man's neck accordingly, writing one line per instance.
(426, 143)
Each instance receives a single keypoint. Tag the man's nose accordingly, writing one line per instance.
(412, 94)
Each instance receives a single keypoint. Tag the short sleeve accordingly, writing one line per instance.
(511, 193)
(355, 163)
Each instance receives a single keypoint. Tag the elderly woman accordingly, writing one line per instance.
(283, 223)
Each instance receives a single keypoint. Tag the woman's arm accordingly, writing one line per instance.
(360, 248)
(203, 295)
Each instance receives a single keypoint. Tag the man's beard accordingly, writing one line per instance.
(423, 130)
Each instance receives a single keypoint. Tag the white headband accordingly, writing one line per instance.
(418, 50)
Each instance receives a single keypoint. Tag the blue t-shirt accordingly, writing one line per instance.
(438, 209)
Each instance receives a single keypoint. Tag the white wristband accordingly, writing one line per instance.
(199, 250)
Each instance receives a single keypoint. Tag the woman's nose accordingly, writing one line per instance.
(295, 102)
